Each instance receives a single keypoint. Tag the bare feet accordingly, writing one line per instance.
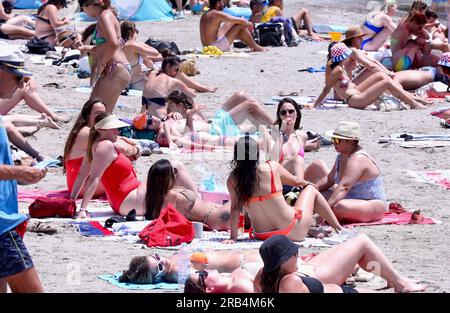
(260, 49)
(409, 286)
(47, 122)
(316, 37)
(319, 232)
(60, 118)
(423, 101)
(417, 105)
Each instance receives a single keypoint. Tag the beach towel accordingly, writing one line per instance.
(325, 29)
(412, 140)
(29, 196)
(114, 280)
(130, 92)
(390, 218)
(440, 178)
(303, 100)
(88, 229)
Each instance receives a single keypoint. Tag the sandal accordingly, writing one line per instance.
(396, 208)
(86, 212)
(42, 228)
(287, 94)
(416, 217)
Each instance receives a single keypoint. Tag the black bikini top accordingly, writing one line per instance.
(314, 285)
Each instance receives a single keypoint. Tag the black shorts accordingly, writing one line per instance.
(174, 4)
(14, 256)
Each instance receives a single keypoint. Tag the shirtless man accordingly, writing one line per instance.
(408, 53)
(160, 84)
(210, 24)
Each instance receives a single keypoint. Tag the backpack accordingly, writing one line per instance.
(171, 228)
(290, 29)
(162, 45)
(270, 34)
(39, 46)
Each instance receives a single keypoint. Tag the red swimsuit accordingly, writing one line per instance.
(119, 179)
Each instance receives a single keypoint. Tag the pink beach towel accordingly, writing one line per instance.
(394, 218)
(29, 196)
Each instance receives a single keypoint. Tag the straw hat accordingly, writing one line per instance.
(346, 130)
(110, 122)
(65, 35)
(339, 52)
(353, 32)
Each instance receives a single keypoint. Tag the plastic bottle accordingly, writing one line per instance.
(183, 266)
(209, 181)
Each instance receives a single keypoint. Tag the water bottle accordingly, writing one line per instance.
(183, 266)
(209, 181)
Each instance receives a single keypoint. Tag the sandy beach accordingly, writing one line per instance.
(68, 262)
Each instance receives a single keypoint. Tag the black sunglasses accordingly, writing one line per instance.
(284, 112)
(202, 275)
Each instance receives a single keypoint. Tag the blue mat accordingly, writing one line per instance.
(325, 29)
(114, 279)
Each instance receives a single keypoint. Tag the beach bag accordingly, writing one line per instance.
(163, 45)
(270, 34)
(290, 29)
(171, 228)
(44, 207)
(39, 46)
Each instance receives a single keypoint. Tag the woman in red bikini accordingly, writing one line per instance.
(107, 49)
(105, 164)
(77, 143)
(257, 187)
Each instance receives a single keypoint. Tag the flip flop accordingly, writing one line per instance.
(42, 228)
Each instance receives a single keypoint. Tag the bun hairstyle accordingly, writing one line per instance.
(127, 30)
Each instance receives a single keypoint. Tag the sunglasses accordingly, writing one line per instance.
(160, 267)
(202, 275)
(285, 112)
(335, 140)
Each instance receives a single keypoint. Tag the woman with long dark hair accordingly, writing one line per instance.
(290, 147)
(256, 187)
(47, 20)
(329, 269)
(112, 64)
(185, 200)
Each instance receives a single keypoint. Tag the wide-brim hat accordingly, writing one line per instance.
(13, 60)
(354, 32)
(444, 59)
(65, 35)
(110, 122)
(275, 251)
(339, 52)
(346, 130)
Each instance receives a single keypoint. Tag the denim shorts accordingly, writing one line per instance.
(14, 256)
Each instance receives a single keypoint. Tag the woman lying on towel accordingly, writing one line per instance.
(195, 132)
(104, 163)
(292, 143)
(337, 77)
(162, 190)
(280, 270)
(257, 187)
(358, 191)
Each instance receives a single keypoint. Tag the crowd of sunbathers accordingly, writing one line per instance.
(268, 151)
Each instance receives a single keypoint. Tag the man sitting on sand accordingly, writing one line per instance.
(211, 22)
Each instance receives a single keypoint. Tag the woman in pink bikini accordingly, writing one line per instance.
(257, 187)
(338, 77)
(111, 61)
(104, 163)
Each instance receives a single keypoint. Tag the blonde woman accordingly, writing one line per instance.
(378, 26)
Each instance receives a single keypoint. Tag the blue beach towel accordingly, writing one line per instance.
(325, 29)
(114, 280)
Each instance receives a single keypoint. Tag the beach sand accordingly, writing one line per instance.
(68, 262)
